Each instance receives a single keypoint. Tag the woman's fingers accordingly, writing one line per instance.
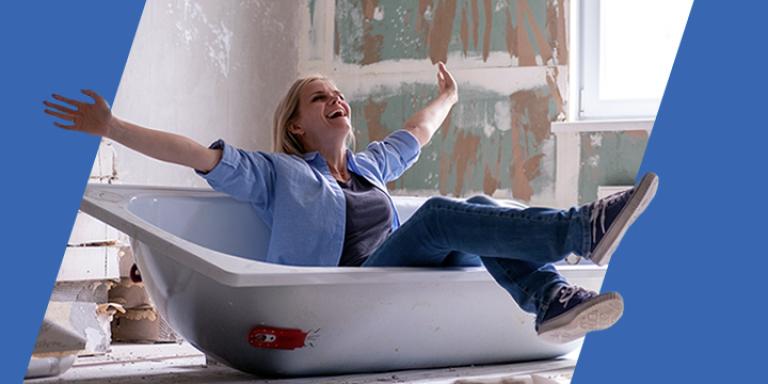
(59, 107)
(67, 100)
(56, 123)
(92, 94)
(444, 71)
(60, 115)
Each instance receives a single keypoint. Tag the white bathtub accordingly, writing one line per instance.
(193, 248)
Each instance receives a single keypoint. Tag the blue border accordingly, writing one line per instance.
(692, 268)
(48, 46)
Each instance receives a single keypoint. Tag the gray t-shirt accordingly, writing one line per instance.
(369, 220)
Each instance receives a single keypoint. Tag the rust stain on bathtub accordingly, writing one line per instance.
(372, 112)
(464, 154)
(440, 32)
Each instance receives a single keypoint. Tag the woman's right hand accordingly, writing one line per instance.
(89, 118)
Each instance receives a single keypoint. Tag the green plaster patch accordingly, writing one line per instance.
(609, 159)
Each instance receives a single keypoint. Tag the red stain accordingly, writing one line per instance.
(277, 338)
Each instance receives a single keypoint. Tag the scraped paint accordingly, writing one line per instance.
(557, 96)
(464, 30)
(464, 155)
(531, 121)
(609, 159)
(373, 116)
(487, 30)
(545, 50)
(524, 51)
(491, 142)
(475, 22)
(555, 24)
(371, 31)
(490, 183)
(440, 31)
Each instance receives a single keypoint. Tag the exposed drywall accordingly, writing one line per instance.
(492, 143)
(509, 58)
(209, 69)
(529, 32)
(609, 158)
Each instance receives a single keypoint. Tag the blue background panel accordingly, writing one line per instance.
(48, 46)
(692, 269)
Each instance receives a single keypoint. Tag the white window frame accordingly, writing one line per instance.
(584, 72)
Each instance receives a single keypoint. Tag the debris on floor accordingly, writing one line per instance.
(175, 363)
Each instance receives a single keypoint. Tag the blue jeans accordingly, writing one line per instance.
(515, 244)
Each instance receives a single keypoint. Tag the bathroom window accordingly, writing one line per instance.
(624, 53)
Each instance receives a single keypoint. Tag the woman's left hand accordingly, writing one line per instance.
(446, 83)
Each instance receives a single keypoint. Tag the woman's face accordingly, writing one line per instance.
(324, 115)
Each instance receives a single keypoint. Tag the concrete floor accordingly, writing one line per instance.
(181, 363)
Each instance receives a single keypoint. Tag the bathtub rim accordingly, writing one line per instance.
(109, 203)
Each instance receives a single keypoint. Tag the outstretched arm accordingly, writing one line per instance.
(97, 119)
(425, 122)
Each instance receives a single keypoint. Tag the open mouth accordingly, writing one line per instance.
(336, 114)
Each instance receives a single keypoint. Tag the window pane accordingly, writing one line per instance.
(638, 42)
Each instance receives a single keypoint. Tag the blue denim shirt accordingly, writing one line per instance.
(299, 199)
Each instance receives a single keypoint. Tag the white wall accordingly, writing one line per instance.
(205, 69)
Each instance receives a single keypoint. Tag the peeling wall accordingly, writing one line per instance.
(509, 58)
(492, 143)
(609, 158)
(528, 32)
(209, 69)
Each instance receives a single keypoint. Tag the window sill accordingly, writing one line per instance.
(602, 126)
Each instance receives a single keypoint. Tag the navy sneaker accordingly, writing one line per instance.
(610, 217)
(574, 311)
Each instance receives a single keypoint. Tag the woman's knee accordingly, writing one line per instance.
(482, 199)
(437, 201)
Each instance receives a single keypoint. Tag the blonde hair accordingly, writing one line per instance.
(287, 111)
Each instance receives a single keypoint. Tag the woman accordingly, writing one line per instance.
(314, 189)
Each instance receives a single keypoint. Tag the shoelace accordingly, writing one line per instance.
(567, 293)
(598, 211)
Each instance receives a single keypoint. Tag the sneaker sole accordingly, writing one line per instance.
(594, 315)
(644, 193)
